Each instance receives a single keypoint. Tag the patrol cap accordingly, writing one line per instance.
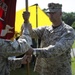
(54, 7)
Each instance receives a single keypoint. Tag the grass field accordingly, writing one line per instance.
(23, 71)
(73, 66)
(73, 45)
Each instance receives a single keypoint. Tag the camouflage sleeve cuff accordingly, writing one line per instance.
(15, 63)
(23, 45)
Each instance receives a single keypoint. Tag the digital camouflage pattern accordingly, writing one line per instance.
(9, 48)
(54, 55)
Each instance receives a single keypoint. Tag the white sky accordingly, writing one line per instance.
(67, 5)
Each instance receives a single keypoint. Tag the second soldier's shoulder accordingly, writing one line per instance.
(67, 27)
(69, 30)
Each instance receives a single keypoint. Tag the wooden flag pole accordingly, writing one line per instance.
(26, 5)
(28, 67)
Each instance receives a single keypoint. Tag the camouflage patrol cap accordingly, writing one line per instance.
(54, 7)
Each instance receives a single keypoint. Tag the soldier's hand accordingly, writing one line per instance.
(29, 52)
(26, 15)
(30, 27)
(26, 58)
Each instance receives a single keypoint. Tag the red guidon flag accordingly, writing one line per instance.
(7, 18)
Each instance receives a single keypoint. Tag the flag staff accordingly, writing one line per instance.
(26, 5)
(28, 67)
(37, 40)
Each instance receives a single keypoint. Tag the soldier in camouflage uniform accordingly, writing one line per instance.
(56, 41)
(9, 48)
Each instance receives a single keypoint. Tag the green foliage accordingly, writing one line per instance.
(73, 66)
(68, 18)
(73, 25)
(73, 46)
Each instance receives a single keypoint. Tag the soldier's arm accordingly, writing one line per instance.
(60, 47)
(17, 62)
(36, 33)
(17, 47)
(21, 29)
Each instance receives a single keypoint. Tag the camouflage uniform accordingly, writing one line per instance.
(8, 48)
(54, 55)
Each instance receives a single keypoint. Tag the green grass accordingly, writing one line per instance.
(73, 45)
(73, 66)
(23, 71)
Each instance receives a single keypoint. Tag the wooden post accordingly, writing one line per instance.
(26, 5)
(28, 67)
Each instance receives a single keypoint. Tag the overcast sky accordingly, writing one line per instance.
(67, 5)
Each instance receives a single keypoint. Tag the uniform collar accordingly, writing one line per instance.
(59, 28)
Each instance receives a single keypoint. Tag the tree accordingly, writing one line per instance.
(73, 25)
(68, 18)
